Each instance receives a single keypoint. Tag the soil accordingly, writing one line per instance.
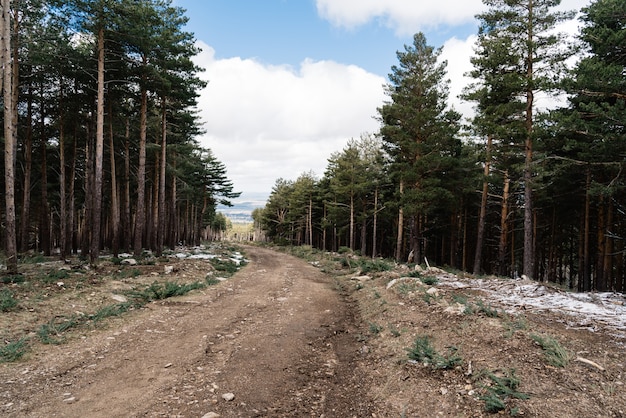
(288, 337)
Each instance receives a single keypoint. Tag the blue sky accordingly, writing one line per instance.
(291, 81)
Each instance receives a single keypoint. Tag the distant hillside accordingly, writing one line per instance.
(242, 208)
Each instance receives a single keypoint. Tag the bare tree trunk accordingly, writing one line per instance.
(115, 209)
(504, 231)
(98, 156)
(62, 180)
(585, 283)
(375, 226)
(140, 216)
(400, 226)
(352, 220)
(480, 236)
(162, 178)
(529, 250)
(126, 219)
(9, 137)
(28, 169)
(45, 206)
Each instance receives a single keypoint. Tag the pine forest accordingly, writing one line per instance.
(100, 127)
(101, 150)
(522, 189)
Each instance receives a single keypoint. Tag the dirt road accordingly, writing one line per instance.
(278, 338)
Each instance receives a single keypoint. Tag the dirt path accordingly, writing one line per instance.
(278, 336)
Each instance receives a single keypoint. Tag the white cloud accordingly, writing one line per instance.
(264, 122)
(457, 53)
(405, 17)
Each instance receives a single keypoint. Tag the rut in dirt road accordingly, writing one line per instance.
(279, 336)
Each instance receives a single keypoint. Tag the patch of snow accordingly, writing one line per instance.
(588, 310)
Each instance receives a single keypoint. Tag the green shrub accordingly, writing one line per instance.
(368, 265)
(500, 386)
(7, 300)
(487, 309)
(111, 310)
(423, 352)
(13, 351)
(429, 280)
(375, 328)
(55, 276)
(51, 333)
(12, 278)
(554, 353)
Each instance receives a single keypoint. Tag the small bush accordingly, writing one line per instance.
(12, 279)
(51, 333)
(554, 353)
(225, 266)
(158, 291)
(111, 310)
(500, 386)
(369, 265)
(430, 280)
(55, 276)
(415, 273)
(34, 259)
(7, 300)
(13, 351)
(423, 352)
(375, 328)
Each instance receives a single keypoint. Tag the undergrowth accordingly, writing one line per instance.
(553, 352)
(423, 352)
(499, 386)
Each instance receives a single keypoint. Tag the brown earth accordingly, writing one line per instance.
(288, 339)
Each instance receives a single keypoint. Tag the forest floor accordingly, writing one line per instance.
(318, 335)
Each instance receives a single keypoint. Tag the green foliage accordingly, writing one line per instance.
(111, 310)
(367, 265)
(51, 333)
(554, 353)
(158, 291)
(487, 309)
(7, 300)
(516, 323)
(498, 388)
(405, 287)
(54, 276)
(12, 278)
(423, 352)
(128, 273)
(227, 267)
(429, 280)
(375, 329)
(13, 351)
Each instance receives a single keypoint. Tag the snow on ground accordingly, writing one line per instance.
(592, 311)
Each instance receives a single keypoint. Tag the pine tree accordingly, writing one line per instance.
(419, 134)
(518, 56)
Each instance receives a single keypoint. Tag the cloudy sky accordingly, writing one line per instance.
(291, 81)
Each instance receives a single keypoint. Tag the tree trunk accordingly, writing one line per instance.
(126, 222)
(140, 216)
(115, 209)
(28, 169)
(163, 166)
(62, 180)
(483, 211)
(9, 138)
(585, 283)
(529, 250)
(400, 226)
(375, 222)
(504, 214)
(98, 156)
(45, 206)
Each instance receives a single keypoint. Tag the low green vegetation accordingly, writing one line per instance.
(554, 354)
(423, 351)
(498, 388)
(13, 351)
(7, 300)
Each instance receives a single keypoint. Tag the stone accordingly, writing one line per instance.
(228, 396)
(211, 415)
(129, 262)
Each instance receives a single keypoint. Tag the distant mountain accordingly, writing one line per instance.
(242, 208)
